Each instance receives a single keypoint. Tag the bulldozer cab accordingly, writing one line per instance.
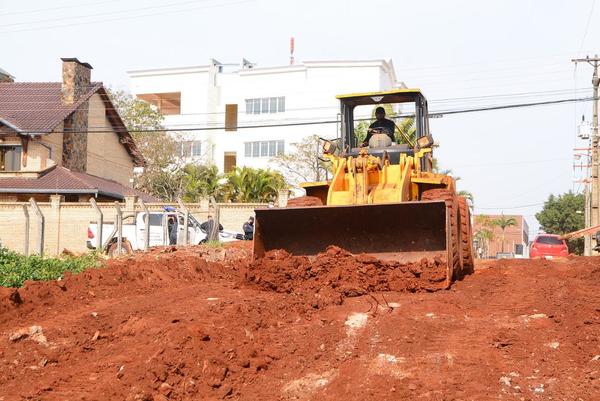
(409, 103)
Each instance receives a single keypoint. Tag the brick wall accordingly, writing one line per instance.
(66, 223)
(513, 235)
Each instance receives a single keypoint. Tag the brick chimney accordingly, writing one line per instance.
(75, 79)
(76, 83)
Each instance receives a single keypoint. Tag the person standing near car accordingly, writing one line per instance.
(248, 228)
(172, 229)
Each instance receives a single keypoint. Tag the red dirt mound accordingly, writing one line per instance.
(303, 201)
(170, 325)
(148, 272)
(336, 274)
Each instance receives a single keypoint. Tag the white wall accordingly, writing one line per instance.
(309, 90)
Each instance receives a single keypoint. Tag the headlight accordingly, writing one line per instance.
(425, 141)
(329, 147)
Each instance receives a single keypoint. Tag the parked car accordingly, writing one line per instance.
(548, 246)
(160, 225)
(505, 255)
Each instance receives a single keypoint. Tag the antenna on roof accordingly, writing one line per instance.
(292, 50)
(246, 64)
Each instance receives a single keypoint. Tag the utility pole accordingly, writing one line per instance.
(595, 198)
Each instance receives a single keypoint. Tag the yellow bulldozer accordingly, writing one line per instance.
(384, 198)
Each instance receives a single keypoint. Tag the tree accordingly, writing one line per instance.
(162, 175)
(201, 182)
(469, 197)
(504, 222)
(563, 214)
(304, 163)
(485, 232)
(247, 184)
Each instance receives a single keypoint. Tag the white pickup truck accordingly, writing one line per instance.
(134, 230)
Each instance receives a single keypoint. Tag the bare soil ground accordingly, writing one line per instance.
(206, 323)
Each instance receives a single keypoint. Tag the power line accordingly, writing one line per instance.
(71, 6)
(77, 17)
(587, 26)
(323, 122)
(515, 106)
(513, 163)
(509, 207)
(126, 18)
(514, 96)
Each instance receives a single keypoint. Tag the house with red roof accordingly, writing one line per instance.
(64, 138)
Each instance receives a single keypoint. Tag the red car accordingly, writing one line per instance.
(548, 246)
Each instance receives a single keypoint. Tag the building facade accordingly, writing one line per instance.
(279, 97)
(63, 138)
(490, 240)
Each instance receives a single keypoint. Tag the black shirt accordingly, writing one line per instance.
(383, 123)
(208, 225)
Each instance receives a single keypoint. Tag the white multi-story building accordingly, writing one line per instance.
(193, 98)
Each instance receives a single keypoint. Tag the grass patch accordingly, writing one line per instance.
(16, 268)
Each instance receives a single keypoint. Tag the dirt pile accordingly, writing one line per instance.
(145, 272)
(337, 274)
(172, 325)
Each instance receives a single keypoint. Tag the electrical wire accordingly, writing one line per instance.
(126, 17)
(462, 103)
(587, 26)
(120, 12)
(71, 6)
(323, 122)
(510, 207)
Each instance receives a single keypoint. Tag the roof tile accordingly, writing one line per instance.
(62, 180)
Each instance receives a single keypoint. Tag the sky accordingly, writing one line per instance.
(461, 53)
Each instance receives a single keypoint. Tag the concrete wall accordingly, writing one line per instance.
(66, 223)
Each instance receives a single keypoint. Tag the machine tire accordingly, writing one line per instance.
(468, 258)
(455, 268)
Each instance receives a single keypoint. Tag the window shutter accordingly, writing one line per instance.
(231, 117)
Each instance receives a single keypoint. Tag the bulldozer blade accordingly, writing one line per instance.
(406, 232)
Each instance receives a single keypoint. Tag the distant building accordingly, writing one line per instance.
(191, 97)
(516, 238)
(45, 147)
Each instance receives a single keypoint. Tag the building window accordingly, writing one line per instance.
(10, 158)
(189, 149)
(265, 105)
(264, 148)
(196, 148)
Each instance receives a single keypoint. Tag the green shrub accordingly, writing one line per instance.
(16, 268)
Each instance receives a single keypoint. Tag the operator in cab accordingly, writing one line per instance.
(381, 126)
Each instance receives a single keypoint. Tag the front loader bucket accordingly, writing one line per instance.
(407, 231)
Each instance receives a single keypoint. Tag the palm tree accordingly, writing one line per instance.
(503, 222)
(407, 131)
(201, 182)
(484, 236)
(470, 198)
(253, 185)
(485, 232)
